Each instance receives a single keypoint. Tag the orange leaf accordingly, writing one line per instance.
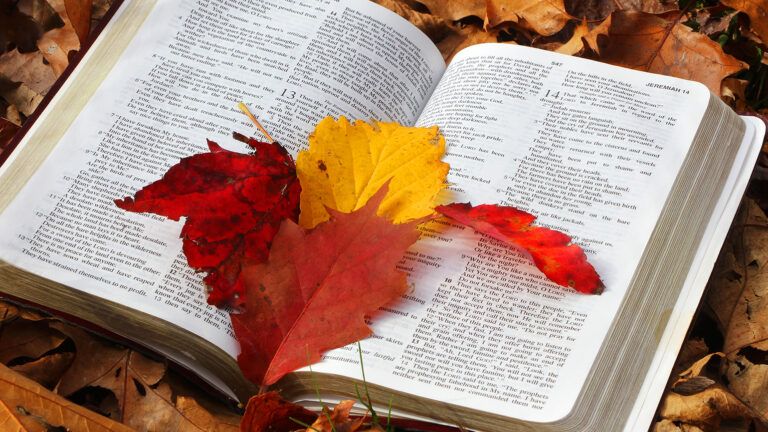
(650, 43)
(552, 252)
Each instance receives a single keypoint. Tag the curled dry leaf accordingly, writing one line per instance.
(575, 44)
(47, 370)
(8, 312)
(268, 412)
(316, 289)
(545, 17)
(650, 43)
(453, 10)
(337, 420)
(757, 10)
(347, 163)
(22, 338)
(233, 203)
(39, 409)
(705, 409)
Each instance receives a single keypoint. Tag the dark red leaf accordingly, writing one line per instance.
(316, 289)
(234, 204)
(269, 412)
(552, 251)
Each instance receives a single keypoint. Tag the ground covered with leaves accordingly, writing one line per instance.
(721, 377)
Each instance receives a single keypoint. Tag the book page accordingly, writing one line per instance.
(177, 84)
(592, 150)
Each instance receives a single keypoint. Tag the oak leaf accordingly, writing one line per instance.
(36, 408)
(316, 289)
(552, 251)
(545, 17)
(650, 43)
(346, 163)
(233, 203)
(268, 412)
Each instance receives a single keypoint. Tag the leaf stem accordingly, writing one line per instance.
(244, 108)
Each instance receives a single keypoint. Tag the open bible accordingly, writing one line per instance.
(645, 171)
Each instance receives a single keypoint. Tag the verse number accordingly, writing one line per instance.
(288, 94)
(554, 95)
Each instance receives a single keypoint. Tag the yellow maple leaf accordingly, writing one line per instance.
(346, 163)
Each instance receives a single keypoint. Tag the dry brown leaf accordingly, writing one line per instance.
(749, 380)
(204, 419)
(27, 339)
(598, 33)
(465, 37)
(698, 366)
(22, 97)
(740, 282)
(545, 17)
(338, 420)
(42, 13)
(13, 115)
(93, 359)
(596, 10)
(38, 406)
(647, 42)
(29, 69)
(692, 350)
(670, 426)
(453, 10)
(733, 92)
(8, 312)
(46, 371)
(8, 420)
(79, 14)
(433, 26)
(98, 10)
(757, 10)
(705, 409)
(575, 44)
(717, 25)
(144, 398)
(55, 45)
(17, 29)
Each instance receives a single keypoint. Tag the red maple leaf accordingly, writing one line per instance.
(552, 251)
(317, 287)
(234, 204)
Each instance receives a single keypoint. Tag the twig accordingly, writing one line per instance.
(247, 112)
